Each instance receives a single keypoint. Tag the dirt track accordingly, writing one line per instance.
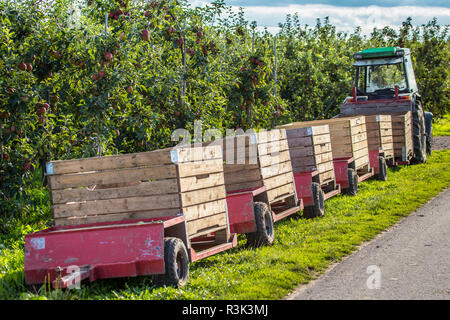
(409, 261)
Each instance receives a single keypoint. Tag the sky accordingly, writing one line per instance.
(345, 15)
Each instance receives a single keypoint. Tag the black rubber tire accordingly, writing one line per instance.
(430, 141)
(352, 182)
(419, 129)
(429, 129)
(318, 207)
(176, 264)
(382, 167)
(265, 232)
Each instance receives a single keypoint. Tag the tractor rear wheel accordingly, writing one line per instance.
(264, 234)
(429, 130)
(318, 207)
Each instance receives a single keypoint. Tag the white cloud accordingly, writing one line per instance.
(344, 18)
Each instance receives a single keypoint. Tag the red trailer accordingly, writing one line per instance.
(259, 184)
(148, 213)
(67, 254)
(346, 175)
(305, 185)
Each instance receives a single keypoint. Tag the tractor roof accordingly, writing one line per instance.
(374, 53)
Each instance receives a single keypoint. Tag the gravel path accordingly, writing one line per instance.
(409, 261)
(441, 143)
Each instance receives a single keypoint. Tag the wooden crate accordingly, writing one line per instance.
(348, 138)
(256, 160)
(310, 150)
(142, 185)
(402, 134)
(379, 134)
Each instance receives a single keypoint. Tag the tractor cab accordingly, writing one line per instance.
(383, 73)
(385, 84)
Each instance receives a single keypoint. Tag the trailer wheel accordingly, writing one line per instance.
(382, 167)
(264, 234)
(352, 182)
(318, 208)
(176, 264)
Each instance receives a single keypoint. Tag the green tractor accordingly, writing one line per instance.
(385, 84)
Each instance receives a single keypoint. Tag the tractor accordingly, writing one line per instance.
(385, 84)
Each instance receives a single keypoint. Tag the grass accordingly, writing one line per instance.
(302, 251)
(442, 126)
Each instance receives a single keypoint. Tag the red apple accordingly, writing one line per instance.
(130, 89)
(145, 35)
(108, 56)
(5, 156)
(27, 166)
(22, 66)
(101, 74)
(40, 111)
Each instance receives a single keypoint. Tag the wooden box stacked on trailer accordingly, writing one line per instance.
(310, 150)
(143, 185)
(379, 134)
(257, 160)
(348, 139)
(402, 135)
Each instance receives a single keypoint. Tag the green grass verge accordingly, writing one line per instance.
(441, 127)
(302, 251)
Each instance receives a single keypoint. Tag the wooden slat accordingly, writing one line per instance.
(235, 177)
(272, 147)
(111, 177)
(116, 205)
(271, 136)
(142, 189)
(206, 225)
(244, 185)
(279, 192)
(326, 176)
(199, 168)
(204, 210)
(277, 181)
(158, 157)
(206, 195)
(201, 182)
(277, 169)
(324, 157)
(269, 160)
(194, 154)
(321, 139)
(115, 217)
